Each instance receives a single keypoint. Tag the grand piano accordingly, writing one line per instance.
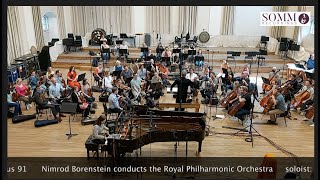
(160, 126)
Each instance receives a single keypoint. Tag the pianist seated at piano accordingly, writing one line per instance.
(100, 131)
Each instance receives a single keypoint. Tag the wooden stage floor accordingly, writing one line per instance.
(24, 140)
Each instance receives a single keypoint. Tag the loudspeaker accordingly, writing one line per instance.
(44, 58)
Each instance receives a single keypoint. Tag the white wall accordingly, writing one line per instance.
(67, 19)
(203, 19)
(215, 20)
(247, 20)
(51, 13)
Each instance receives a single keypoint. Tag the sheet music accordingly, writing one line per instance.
(174, 89)
(292, 66)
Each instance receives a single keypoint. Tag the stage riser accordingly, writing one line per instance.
(153, 49)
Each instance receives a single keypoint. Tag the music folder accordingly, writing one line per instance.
(68, 108)
(176, 50)
(81, 77)
(144, 49)
(265, 80)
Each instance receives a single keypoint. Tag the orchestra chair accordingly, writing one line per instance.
(40, 109)
(248, 56)
(285, 115)
(78, 43)
(261, 58)
(109, 115)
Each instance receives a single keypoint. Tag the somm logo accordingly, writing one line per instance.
(285, 19)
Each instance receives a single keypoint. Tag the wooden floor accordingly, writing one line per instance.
(24, 140)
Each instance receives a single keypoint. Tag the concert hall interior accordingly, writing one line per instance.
(146, 77)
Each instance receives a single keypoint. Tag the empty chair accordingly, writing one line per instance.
(70, 35)
(78, 42)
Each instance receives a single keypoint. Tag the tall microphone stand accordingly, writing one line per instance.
(250, 139)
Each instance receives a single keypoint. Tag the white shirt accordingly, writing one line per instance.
(107, 82)
(98, 131)
(55, 90)
(191, 76)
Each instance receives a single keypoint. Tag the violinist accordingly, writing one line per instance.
(17, 107)
(244, 97)
(228, 81)
(82, 105)
(142, 72)
(136, 88)
(166, 52)
(55, 90)
(208, 88)
(279, 105)
(24, 93)
(86, 91)
(59, 78)
(98, 74)
(126, 75)
(33, 80)
(307, 87)
(104, 50)
(117, 69)
(73, 78)
(107, 82)
(224, 76)
(163, 73)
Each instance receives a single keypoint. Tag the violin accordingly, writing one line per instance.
(310, 113)
(297, 101)
(28, 93)
(63, 82)
(226, 100)
(15, 97)
(83, 100)
(90, 92)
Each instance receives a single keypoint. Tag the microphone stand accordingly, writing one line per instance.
(250, 139)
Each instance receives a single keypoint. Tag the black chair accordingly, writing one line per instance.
(248, 56)
(78, 42)
(108, 113)
(40, 109)
(70, 35)
(229, 55)
(261, 58)
(286, 114)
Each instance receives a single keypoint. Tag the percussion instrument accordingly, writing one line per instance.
(204, 37)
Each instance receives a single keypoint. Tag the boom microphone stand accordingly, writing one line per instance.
(250, 139)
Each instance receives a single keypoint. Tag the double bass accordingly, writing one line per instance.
(297, 101)
(226, 100)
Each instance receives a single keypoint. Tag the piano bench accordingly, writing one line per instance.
(92, 146)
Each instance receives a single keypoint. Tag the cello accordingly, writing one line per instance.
(268, 87)
(235, 107)
(310, 113)
(226, 100)
(297, 101)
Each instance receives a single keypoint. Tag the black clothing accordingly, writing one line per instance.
(42, 104)
(182, 94)
(74, 99)
(248, 103)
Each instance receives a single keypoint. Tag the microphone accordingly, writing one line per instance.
(157, 36)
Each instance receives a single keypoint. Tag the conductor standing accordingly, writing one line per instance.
(183, 85)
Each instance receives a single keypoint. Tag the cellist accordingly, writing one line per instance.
(274, 78)
(307, 87)
(279, 105)
(244, 97)
(236, 90)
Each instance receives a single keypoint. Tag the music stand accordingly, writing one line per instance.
(234, 54)
(159, 50)
(192, 52)
(69, 108)
(81, 77)
(176, 50)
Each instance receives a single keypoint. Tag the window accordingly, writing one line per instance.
(312, 26)
(45, 23)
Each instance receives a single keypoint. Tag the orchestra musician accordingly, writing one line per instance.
(152, 65)
(100, 131)
(42, 103)
(117, 68)
(246, 70)
(134, 66)
(33, 80)
(55, 90)
(113, 100)
(183, 85)
(208, 87)
(82, 106)
(107, 82)
(158, 51)
(98, 74)
(191, 75)
(307, 87)
(163, 73)
(166, 53)
(17, 107)
(59, 78)
(126, 75)
(150, 55)
(136, 88)
(280, 105)
(274, 78)
(104, 50)
(245, 97)
(292, 87)
(49, 72)
(73, 78)
(24, 93)
(310, 62)
(124, 46)
(142, 72)
(236, 90)
(87, 91)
